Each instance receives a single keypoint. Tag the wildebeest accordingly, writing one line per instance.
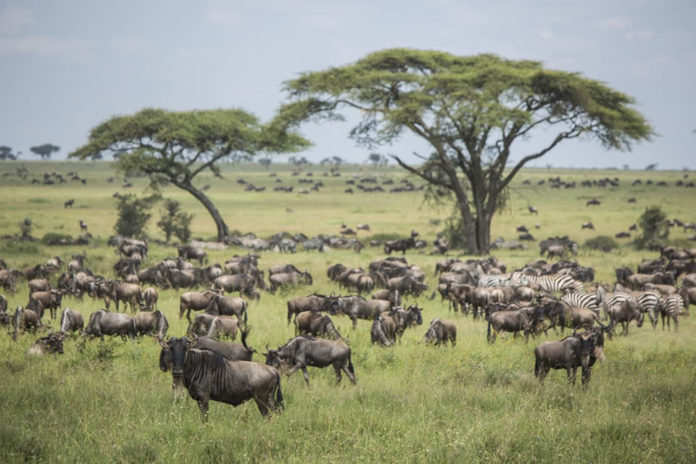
(150, 298)
(39, 285)
(24, 319)
(578, 350)
(196, 301)
(305, 350)
(284, 279)
(242, 283)
(381, 333)
(192, 252)
(50, 344)
(50, 299)
(313, 302)
(401, 245)
(231, 351)
(151, 323)
(71, 321)
(357, 307)
(406, 285)
(127, 292)
(316, 324)
(440, 331)
(209, 376)
(102, 323)
(221, 305)
(624, 312)
(510, 321)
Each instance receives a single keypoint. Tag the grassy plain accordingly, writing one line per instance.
(108, 402)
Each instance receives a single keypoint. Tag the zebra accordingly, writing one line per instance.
(672, 307)
(582, 300)
(649, 302)
(556, 283)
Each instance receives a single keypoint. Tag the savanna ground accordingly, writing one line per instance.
(109, 402)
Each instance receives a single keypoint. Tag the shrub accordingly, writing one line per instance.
(602, 243)
(133, 214)
(176, 222)
(653, 223)
(53, 238)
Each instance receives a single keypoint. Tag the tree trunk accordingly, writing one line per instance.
(223, 232)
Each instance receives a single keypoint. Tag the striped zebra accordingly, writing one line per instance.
(556, 283)
(649, 302)
(582, 300)
(672, 307)
(494, 280)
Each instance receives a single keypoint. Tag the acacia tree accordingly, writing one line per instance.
(45, 151)
(471, 111)
(174, 147)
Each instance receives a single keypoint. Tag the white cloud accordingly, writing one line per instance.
(220, 16)
(617, 23)
(14, 20)
(545, 34)
(45, 46)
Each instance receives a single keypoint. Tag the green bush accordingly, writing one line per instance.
(53, 238)
(653, 223)
(133, 214)
(602, 243)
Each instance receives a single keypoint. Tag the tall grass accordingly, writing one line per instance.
(108, 401)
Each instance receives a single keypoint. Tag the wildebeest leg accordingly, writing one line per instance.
(263, 407)
(572, 372)
(337, 370)
(586, 373)
(203, 406)
(305, 374)
(350, 375)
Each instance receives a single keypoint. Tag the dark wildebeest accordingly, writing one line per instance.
(392, 297)
(39, 285)
(440, 331)
(196, 301)
(127, 292)
(105, 323)
(313, 302)
(401, 245)
(151, 323)
(316, 324)
(510, 321)
(71, 321)
(181, 279)
(192, 252)
(404, 318)
(231, 351)
(406, 285)
(242, 283)
(305, 350)
(50, 299)
(285, 268)
(50, 344)
(206, 324)
(150, 298)
(284, 279)
(221, 305)
(24, 319)
(207, 375)
(578, 350)
(380, 331)
(624, 312)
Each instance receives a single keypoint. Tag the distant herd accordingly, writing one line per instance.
(540, 296)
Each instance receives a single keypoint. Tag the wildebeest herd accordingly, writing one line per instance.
(534, 299)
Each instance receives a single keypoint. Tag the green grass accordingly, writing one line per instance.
(108, 402)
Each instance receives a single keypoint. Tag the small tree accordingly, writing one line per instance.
(175, 222)
(133, 214)
(265, 162)
(653, 223)
(25, 227)
(45, 151)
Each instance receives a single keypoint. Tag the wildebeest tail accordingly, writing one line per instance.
(350, 365)
(278, 393)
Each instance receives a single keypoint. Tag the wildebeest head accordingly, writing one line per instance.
(51, 343)
(417, 316)
(173, 354)
(273, 359)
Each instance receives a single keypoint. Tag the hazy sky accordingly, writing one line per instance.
(69, 65)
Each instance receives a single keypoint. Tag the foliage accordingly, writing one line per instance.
(175, 147)
(45, 151)
(471, 111)
(54, 238)
(6, 153)
(174, 221)
(602, 243)
(654, 229)
(133, 214)
(377, 159)
(25, 227)
(265, 162)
